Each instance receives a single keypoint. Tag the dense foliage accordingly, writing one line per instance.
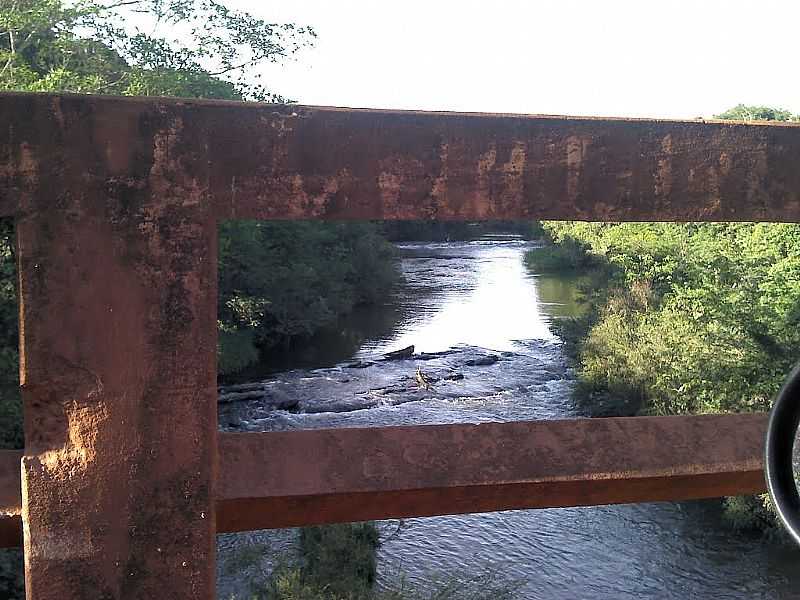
(282, 281)
(10, 408)
(695, 318)
(743, 112)
(699, 317)
(692, 318)
(11, 574)
(192, 48)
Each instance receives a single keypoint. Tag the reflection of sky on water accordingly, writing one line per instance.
(500, 307)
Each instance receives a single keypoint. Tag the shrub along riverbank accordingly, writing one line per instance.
(687, 318)
(280, 282)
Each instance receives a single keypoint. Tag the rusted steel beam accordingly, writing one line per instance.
(311, 477)
(117, 257)
(296, 478)
(297, 162)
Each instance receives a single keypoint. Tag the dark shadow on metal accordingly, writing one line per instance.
(781, 433)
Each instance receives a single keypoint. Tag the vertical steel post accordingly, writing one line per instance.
(117, 257)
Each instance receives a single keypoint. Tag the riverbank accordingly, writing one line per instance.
(693, 318)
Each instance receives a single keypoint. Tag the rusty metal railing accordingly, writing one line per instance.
(124, 478)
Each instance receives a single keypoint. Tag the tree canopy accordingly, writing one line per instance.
(743, 112)
(192, 48)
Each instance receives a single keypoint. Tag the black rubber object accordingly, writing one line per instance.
(781, 432)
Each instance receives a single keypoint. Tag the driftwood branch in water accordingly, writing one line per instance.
(401, 354)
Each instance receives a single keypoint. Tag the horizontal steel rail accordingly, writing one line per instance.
(266, 161)
(287, 479)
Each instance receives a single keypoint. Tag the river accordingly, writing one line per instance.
(481, 324)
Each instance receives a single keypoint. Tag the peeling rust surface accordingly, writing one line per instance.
(296, 162)
(328, 476)
(117, 254)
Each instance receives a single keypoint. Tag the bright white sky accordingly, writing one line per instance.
(666, 58)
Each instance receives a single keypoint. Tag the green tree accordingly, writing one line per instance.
(280, 282)
(743, 112)
(10, 408)
(192, 48)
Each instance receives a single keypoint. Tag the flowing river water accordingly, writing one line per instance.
(481, 326)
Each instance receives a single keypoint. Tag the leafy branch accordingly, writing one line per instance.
(164, 47)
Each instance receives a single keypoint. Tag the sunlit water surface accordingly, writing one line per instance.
(468, 301)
